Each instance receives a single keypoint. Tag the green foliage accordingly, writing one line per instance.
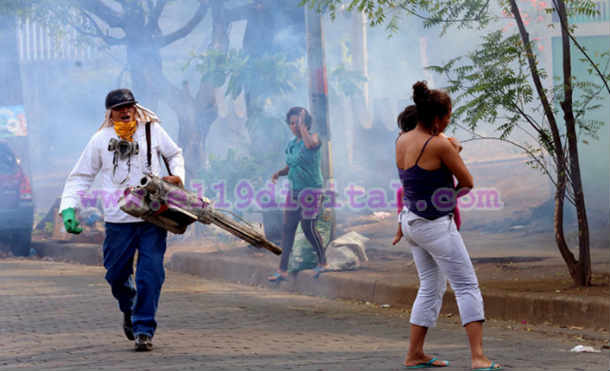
(587, 8)
(49, 227)
(262, 78)
(49, 12)
(490, 84)
(493, 84)
(15, 6)
(461, 13)
(377, 11)
(273, 132)
(58, 15)
(495, 81)
(230, 170)
(266, 76)
(343, 81)
(588, 99)
(467, 13)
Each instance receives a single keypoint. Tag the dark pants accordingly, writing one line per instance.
(308, 220)
(122, 241)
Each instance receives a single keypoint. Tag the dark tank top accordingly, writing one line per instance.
(429, 194)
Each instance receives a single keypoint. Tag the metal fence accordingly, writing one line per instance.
(37, 42)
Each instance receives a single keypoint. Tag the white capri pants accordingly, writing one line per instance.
(440, 254)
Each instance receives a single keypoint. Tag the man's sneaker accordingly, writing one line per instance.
(143, 343)
(128, 326)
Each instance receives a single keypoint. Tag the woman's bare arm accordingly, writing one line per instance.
(310, 140)
(451, 158)
(279, 173)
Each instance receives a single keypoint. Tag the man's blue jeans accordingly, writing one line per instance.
(122, 241)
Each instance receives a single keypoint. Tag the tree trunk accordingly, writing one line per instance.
(197, 114)
(562, 245)
(583, 269)
(144, 63)
(559, 154)
(150, 85)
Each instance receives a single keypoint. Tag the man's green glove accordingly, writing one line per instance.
(70, 221)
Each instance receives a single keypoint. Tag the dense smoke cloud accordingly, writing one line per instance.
(66, 77)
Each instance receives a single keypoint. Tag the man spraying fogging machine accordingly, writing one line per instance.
(121, 152)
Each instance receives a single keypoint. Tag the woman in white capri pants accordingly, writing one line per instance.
(426, 164)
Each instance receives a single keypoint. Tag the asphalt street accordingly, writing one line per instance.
(59, 316)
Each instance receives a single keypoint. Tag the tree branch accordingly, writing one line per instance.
(188, 27)
(560, 154)
(582, 50)
(155, 11)
(105, 13)
(98, 31)
(529, 153)
(582, 111)
(477, 18)
(218, 43)
(529, 134)
(238, 13)
(521, 147)
(538, 129)
(528, 119)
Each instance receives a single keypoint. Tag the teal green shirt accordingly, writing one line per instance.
(303, 166)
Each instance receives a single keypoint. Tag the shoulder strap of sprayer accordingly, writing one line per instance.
(148, 151)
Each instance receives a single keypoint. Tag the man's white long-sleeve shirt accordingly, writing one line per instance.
(96, 158)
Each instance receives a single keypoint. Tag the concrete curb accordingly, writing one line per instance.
(83, 253)
(592, 313)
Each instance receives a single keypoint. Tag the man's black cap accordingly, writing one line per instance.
(119, 97)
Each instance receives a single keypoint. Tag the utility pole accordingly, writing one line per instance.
(318, 97)
(360, 58)
(361, 108)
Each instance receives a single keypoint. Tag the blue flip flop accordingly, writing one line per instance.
(490, 368)
(276, 277)
(429, 364)
(317, 271)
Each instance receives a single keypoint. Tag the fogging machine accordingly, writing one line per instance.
(174, 209)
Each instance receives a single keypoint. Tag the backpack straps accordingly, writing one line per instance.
(149, 154)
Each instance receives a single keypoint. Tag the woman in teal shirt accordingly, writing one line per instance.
(305, 176)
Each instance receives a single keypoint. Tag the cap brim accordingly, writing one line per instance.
(128, 103)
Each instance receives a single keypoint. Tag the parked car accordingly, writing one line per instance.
(16, 207)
